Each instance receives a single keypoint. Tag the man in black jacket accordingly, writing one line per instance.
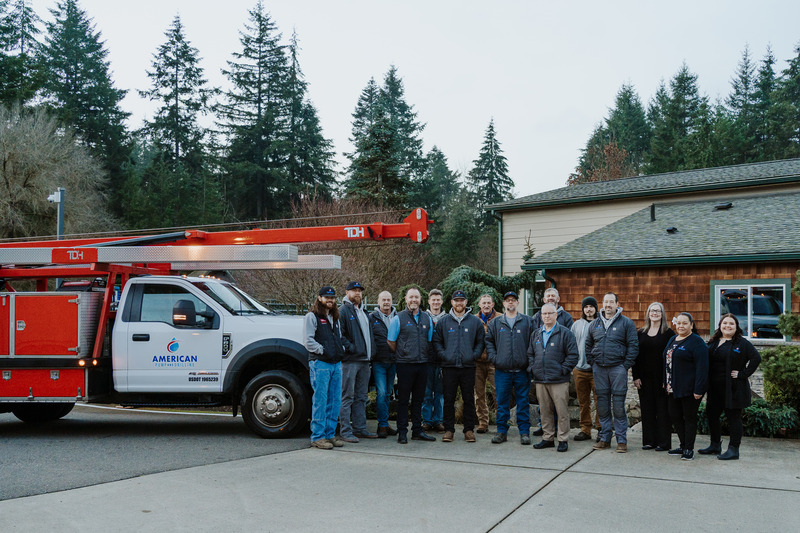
(612, 346)
(459, 342)
(507, 339)
(359, 345)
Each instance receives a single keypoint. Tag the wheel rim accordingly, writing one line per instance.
(273, 405)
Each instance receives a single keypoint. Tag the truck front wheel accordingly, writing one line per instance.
(274, 404)
(42, 412)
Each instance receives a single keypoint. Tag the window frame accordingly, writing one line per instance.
(749, 284)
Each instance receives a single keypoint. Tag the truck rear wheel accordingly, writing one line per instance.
(42, 412)
(275, 404)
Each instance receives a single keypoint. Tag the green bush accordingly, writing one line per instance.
(781, 367)
(760, 419)
(477, 282)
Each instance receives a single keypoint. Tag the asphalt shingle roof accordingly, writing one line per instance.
(787, 170)
(754, 228)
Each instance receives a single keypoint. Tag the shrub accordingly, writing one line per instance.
(781, 367)
(760, 419)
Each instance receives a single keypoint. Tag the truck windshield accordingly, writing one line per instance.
(231, 298)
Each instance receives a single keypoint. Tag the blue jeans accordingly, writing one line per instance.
(611, 384)
(355, 382)
(384, 383)
(520, 383)
(433, 404)
(326, 380)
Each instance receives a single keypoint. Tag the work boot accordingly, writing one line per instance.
(525, 439)
(383, 433)
(601, 445)
(426, 427)
(582, 436)
(337, 442)
(499, 438)
(715, 448)
(622, 447)
(322, 444)
(482, 429)
(538, 432)
(469, 436)
(731, 453)
(439, 428)
(448, 436)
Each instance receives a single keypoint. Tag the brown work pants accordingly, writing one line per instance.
(484, 370)
(550, 396)
(584, 386)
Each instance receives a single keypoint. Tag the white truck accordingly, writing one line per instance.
(166, 339)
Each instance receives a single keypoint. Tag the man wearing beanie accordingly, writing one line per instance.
(584, 380)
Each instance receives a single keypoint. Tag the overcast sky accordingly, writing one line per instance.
(547, 72)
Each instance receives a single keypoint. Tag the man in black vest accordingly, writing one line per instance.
(410, 334)
(459, 342)
(323, 340)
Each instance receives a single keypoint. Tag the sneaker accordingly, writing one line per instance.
(660, 448)
(439, 428)
(322, 444)
(499, 438)
(648, 447)
(422, 436)
(622, 447)
(676, 451)
(337, 442)
(351, 438)
(448, 436)
(525, 439)
(366, 435)
(687, 455)
(601, 445)
(581, 436)
(469, 436)
(538, 432)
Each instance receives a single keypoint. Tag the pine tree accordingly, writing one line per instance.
(80, 90)
(388, 147)
(788, 96)
(178, 175)
(489, 182)
(628, 128)
(253, 117)
(766, 112)
(740, 104)
(22, 76)
(435, 186)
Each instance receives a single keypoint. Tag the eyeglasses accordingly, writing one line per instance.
(548, 313)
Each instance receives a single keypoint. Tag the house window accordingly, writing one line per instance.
(757, 304)
(534, 298)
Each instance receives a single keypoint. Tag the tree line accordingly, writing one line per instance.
(265, 156)
(681, 129)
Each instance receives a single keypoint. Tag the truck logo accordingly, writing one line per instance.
(354, 232)
(74, 254)
(172, 346)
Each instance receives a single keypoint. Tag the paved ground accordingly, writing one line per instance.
(381, 485)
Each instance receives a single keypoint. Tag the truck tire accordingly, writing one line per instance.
(275, 404)
(42, 412)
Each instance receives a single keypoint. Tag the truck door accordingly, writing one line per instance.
(163, 357)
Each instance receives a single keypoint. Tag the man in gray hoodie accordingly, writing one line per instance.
(612, 346)
(584, 380)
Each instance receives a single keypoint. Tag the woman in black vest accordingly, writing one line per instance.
(732, 360)
(685, 381)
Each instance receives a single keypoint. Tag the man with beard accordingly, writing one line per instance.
(359, 345)
(383, 364)
(459, 343)
(584, 380)
(484, 370)
(323, 340)
(409, 336)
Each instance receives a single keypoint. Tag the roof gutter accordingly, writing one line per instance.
(666, 261)
(499, 219)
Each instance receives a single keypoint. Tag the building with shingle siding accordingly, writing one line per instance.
(704, 241)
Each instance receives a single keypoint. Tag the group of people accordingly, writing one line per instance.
(434, 354)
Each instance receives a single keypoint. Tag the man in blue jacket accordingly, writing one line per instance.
(458, 343)
(507, 339)
(612, 347)
(552, 354)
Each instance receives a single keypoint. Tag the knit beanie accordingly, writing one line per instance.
(589, 301)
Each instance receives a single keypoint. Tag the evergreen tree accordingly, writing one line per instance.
(739, 145)
(253, 116)
(178, 175)
(22, 75)
(767, 128)
(388, 147)
(788, 96)
(458, 236)
(435, 186)
(80, 90)
(628, 128)
(489, 182)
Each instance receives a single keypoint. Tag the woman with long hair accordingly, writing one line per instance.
(732, 360)
(648, 372)
(685, 382)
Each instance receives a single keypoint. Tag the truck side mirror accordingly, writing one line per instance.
(183, 313)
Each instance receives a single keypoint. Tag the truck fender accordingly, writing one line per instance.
(293, 349)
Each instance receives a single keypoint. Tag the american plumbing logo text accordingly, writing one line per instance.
(173, 359)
